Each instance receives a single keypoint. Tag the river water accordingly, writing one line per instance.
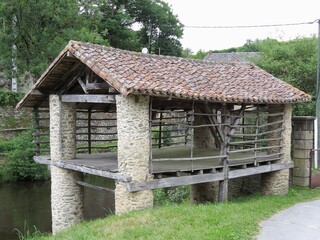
(26, 205)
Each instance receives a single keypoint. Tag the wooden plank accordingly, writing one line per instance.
(188, 180)
(254, 149)
(83, 169)
(255, 126)
(253, 141)
(95, 187)
(254, 135)
(173, 182)
(89, 98)
(261, 169)
(188, 158)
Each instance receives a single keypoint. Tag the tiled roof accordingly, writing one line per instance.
(233, 57)
(138, 73)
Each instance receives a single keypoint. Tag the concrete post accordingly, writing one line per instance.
(133, 151)
(203, 139)
(278, 182)
(303, 138)
(66, 194)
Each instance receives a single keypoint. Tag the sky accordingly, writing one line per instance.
(239, 13)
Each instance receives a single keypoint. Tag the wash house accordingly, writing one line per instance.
(152, 122)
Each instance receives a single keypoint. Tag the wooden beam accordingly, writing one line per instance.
(210, 177)
(97, 86)
(260, 169)
(95, 187)
(83, 86)
(173, 182)
(67, 74)
(83, 169)
(89, 98)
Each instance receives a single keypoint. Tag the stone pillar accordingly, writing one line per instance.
(203, 139)
(66, 194)
(278, 182)
(303, 138)
(133, 151)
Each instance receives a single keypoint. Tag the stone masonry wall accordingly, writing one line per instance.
(10, 118)
(66, 194)
(133, 151)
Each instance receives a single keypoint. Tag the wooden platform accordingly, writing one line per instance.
(187, 172)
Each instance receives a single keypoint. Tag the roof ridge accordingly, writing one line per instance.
(150, 55)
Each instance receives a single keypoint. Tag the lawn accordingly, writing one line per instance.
(236, 219)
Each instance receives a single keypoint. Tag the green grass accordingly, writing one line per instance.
(237, 219)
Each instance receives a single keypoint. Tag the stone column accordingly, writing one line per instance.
(278, 182)
(66, 194)
(303, 137)
(133, 151)
(203, 139)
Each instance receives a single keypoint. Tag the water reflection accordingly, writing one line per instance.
(24, 205)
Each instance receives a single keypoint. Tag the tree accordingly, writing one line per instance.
(42, 28)
(158, 28)
(295, 62)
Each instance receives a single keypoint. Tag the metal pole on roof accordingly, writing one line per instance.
(317, 137)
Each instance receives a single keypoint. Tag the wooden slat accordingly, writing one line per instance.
(253, 141)
(255, 126)
(254, 149)
(187, 158)
(254, 135)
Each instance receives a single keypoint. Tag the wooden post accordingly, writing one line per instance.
(89, 130)
(160, 130)
(223, 185)
(37, 132)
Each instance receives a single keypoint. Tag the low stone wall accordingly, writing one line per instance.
(12, 121)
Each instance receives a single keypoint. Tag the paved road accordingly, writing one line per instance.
(300, 222)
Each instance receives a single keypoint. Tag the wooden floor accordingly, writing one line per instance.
(106, 164)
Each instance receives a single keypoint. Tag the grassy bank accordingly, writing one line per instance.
(237, 219)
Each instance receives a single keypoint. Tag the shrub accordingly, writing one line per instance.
(9, 98)
(20, 164)
(175, 195)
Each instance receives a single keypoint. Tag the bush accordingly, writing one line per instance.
(169, 196)
(20, 165)
(9, 98)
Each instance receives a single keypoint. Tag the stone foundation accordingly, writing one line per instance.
(66, 198)
(133, 151)
(277, 182)
(203, 139)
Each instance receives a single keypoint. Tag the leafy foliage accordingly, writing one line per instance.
(42, 28)
(158, 28)
(20, 164)
(295, 62)
(9, 98)
(169, 196)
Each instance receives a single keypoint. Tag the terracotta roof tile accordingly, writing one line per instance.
(138, 73)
